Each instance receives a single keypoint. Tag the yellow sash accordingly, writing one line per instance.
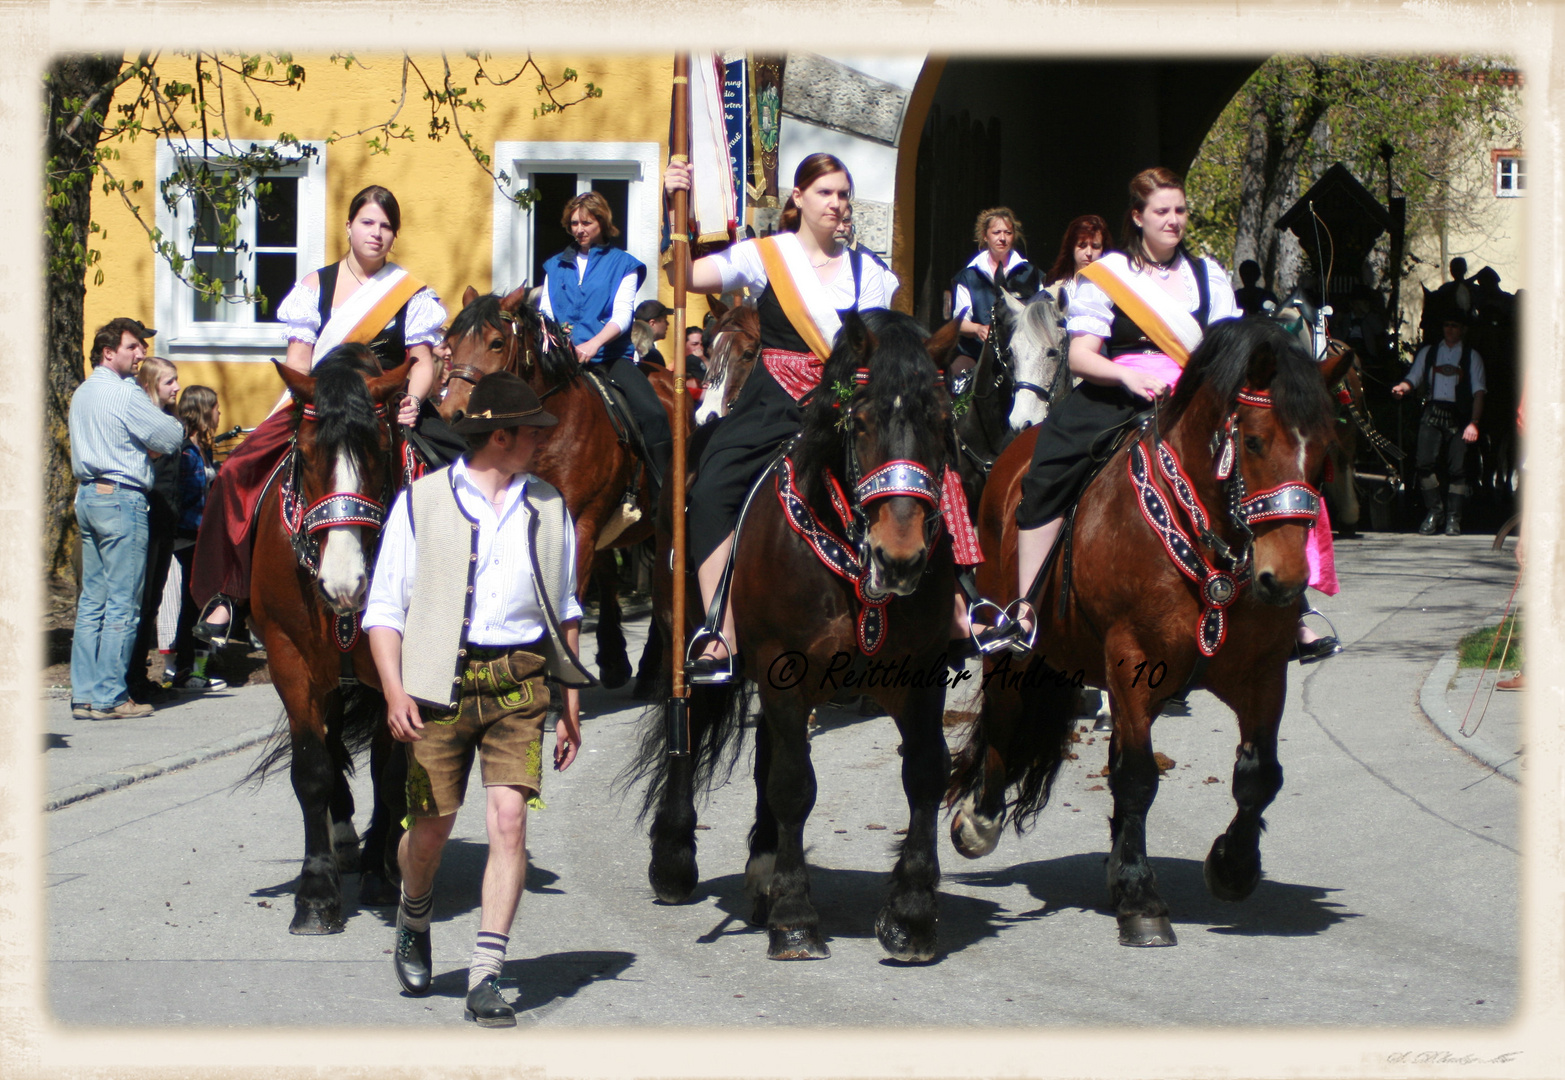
(787, 292)
(376, 318)
(1138, 311)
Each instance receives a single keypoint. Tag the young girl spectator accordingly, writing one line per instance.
(159, 379)
(199, 412)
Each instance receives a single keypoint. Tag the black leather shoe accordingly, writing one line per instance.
(1453, 525)
(1312, 652)
(487, 1007)
(413, 960)
(1431, 523)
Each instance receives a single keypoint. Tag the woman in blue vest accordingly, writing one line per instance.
(591, 287)
(977, 285)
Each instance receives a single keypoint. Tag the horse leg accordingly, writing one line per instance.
(613, 662)
(344, 838)
(672, 869)
(1133, 780)
(1233, 866)
(380, 880)
(792, 922)
(906, 924)
(979, 817)
(318, 903)
(762, 863)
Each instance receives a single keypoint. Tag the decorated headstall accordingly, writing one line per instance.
(336, 508)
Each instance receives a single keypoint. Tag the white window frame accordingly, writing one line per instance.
(1518, 177)
(637, 162)
(174, 301)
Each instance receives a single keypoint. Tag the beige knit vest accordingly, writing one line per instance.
(434, 643)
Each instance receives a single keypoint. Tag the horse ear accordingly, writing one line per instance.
(383, 386)
(716, 306)
(1012, 302)
(856, 334)
(942, 344)
(1335, 368)
(1263, 367)
(469, 294)
(302, 387)
(516, 299)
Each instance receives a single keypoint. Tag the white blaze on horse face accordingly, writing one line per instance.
(1034, 331)
(712, 400)
(344, 577)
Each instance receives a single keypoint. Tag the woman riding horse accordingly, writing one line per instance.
(976, 286)
(591, 287)
(364, 298)
(1085, 240)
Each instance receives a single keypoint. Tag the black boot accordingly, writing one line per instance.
(1431, 522)
(1453, 514)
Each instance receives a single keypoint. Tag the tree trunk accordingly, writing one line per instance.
(78, 89)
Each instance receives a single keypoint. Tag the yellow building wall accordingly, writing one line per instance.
(446, 199)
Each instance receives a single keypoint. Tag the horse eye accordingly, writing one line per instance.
(1253, 444)
(494, 343)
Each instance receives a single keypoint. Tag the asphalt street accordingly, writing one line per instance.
(1391, 894)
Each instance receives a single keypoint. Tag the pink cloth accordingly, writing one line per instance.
(1164, 367)
(1317, 552)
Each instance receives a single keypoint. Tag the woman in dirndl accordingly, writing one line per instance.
(363, 298)
(975, 288)
(1085, 240)
(1122, 370)
(830, 279)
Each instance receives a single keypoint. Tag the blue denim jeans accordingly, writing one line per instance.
(114, 569)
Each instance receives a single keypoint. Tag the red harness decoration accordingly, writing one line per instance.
(796, 372)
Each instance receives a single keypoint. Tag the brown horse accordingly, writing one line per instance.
(881, 424)
(1239, 449)
(585, 457)
(314, 534)
(736, 345)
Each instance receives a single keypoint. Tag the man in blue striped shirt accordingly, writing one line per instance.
(115, 431)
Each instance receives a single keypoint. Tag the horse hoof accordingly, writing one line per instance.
(672, 886)
(1146, 931)
(614, 673)
(348, 860)
(796, 943)
(1219, 872)
(376, 891)
(903, 944)
(973, 835)
(313, 922)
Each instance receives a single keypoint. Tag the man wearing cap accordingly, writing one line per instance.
(473, 602)
(115, 432)
(1449, 375)
(655, 314)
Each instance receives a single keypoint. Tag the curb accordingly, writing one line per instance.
(1432, 699)
(120, 778)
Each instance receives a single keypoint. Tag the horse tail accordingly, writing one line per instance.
(1030, 749)
(717, 715)
(360, 713)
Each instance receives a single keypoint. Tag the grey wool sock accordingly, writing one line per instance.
(488, 957)
(414, 911)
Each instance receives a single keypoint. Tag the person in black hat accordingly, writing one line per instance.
(1449, 376)
(655, 314)
(473, 602)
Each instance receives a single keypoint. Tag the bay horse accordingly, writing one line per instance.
(314, 538)
(866, 466)
(585, 458)
(736, 345)
(1152, 606)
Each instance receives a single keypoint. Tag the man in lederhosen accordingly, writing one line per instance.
(1449, 376)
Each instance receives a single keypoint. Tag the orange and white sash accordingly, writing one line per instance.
(1169, 326)
(800, 292)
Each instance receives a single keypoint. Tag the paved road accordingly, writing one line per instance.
(1390, 898)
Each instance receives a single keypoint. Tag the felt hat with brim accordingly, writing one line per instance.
(502, 400)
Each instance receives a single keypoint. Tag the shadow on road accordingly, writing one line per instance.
(1276, 909)
(542, 980)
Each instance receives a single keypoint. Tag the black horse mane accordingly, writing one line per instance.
(1230, 357)
(904, 390)
(559, 364)
(345, 420)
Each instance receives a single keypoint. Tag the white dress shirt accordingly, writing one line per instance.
(961, 299)
(1444, 388)
(506, 609)
(741, 266)
(1092, 312)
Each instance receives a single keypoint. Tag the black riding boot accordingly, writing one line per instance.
(1431, 522)
(1453, 514)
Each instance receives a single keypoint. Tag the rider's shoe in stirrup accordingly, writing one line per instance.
(711, 670)
(216, 634)
(996, 635)
(1009, 633)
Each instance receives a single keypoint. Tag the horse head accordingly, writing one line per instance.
(491, 333)
(736, 345)
(881, 420)
(1270, 424)
(1033, 342)
(344, 467)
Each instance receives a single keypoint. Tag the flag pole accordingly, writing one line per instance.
(679, 150)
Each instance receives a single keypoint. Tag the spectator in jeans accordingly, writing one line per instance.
(115, 432)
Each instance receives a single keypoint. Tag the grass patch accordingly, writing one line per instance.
(1473, 649)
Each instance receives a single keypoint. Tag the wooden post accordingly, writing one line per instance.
(679, 150)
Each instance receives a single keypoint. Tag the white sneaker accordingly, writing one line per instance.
(200, 684)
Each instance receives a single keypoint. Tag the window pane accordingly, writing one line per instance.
(554, 191)
(220, 264)
(275, 273)
(617, 193)
(208, 234)
(277, 213)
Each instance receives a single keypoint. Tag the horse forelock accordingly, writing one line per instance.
(558, 363)
(346, 426)
(1221, 366)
